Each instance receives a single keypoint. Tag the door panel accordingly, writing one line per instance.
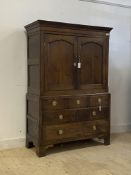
(92, 56)
(59, 70)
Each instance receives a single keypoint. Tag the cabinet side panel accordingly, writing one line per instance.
(34, 46)
(32, 130)
(34, 63)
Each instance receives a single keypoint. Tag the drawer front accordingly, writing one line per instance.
(60, 116)
(93, 114)
(100, 100)
(79, 130)
(96, 114)
(65, 103)
(53, 104)
(66, 116)
(83, 115)
(78, 102)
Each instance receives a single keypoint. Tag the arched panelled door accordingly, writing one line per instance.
(60, 53)
(91, 55)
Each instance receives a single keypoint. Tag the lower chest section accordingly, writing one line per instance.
(74, 118)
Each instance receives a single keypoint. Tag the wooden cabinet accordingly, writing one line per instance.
(67, 96)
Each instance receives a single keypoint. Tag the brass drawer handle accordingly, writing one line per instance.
(61, 117)
(99, 100)
(94, 113)
(54, 103)
(60, 132)
(94, 127)
(78, 102)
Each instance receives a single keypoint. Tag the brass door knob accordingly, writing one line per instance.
(61, 117)
(100, 108)
(60, 132)
(78, 102)
(79, 63)
(54, 103)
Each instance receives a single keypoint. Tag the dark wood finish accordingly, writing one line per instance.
(95, 114)
(75, 131)
(61, 61)
(91, 52)
(60, 117)
(67, 97)
(105, 100)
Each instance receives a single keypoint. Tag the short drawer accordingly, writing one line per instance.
(101, 127)
(78, 102)
(53, 103)
(76, 130)
(60, 116)
(99, 100)
(96, 114)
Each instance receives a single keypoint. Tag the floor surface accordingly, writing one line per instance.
(80, 158)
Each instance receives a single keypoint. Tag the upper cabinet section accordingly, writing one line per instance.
(65, 58)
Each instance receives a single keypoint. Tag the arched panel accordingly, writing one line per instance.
(60, 40)
(60, 55)
(91, 54)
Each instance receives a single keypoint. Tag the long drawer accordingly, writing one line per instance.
(65, 103)
(75, 115)
(76, 130)
(84, 101)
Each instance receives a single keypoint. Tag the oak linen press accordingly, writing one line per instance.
(67, 96)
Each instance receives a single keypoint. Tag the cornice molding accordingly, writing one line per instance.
(108, 3)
